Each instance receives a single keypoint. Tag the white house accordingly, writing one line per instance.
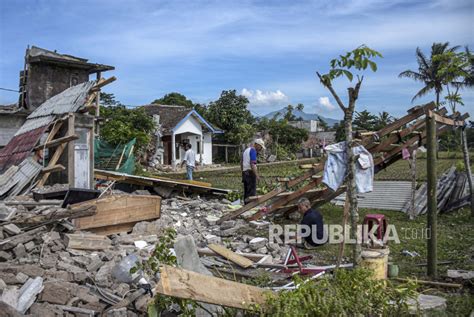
(176, 126)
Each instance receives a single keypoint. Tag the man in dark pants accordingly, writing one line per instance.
(248, 165)
(314, 220)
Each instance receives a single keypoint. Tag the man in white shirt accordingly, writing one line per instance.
(249, 168)
(190, 161)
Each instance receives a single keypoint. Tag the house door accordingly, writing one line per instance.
(82, 160)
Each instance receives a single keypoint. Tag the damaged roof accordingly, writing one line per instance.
(36, 54)
(171, 117)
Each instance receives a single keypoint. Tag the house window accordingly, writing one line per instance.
(198, 144)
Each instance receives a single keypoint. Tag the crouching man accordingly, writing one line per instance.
(313, 219)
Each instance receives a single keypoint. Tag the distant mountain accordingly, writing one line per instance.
(305, 116)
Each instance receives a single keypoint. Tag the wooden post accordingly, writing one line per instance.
(431, 197)
(226, 154)
(412, 212)
(97, 109)
(70, 151)
(173, 151)
(467, 165)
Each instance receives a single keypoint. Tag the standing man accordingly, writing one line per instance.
(248, 165)
(314, 220)
(190, 161)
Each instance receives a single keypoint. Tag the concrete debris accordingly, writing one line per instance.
(49, 268)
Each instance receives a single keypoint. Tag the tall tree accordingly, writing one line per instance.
(383, 119)
(230, 113)
(174, 98)
(359, 60)
(364, 120)
(428, 70)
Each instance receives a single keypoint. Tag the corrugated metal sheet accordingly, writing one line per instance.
(35, 123)
(26, 172)
(70, 100)
(387, 195)
(19, 148)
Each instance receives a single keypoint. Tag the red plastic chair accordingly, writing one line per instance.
(380, 221)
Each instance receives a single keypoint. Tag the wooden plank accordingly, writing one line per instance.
(54, 168)
(269, 195)
(119, 209)
(54, 159)
(87, 241)
(193, 182)
(232, 256)
(406, 119)
(102, 82)
(285, 200)
(56, 142)
(255, 257)
(444, 120)
(208, 289)
(113, 229)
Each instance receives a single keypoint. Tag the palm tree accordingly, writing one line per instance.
(428, 70)
(384, 118)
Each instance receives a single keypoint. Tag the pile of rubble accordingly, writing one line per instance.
(46, 269)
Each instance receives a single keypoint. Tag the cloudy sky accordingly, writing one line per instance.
(268, 51)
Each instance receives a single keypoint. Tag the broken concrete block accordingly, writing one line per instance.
(58, 292)
(103, 275)
(5, 256)
(19, 250)
(210, 238)
(229, 232)
(429, 305)
(262, 250)
(30, 246)
(227, 224)
(3, 285)
(187, 256)
(28, 293)
(95, 265)
(9, 311)
(257, 243)
(12, 229)
(10, 296)
(259, 224)
(21, 277)
(119, 312)
(44, 310)
(212, 220)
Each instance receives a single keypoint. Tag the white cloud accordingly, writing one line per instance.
(326, 104)
(265, 98)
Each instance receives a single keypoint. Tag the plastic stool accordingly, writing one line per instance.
(380, 221)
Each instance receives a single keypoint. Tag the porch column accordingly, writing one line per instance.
(173, 151)
(201, 150)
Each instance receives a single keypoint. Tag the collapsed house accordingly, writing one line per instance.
(45, 74)
(175, 127)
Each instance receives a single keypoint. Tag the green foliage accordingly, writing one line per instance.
(230, 113)
(441, 69)
(174, 98)
(286, 139)
(323, 124)
(348, 293)
(122, 124)
(340, 131)
(358, 59)
(364, 120)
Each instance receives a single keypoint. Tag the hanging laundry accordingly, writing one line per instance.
(336, 167)
(405, 153)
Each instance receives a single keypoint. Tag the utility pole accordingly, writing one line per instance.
(431, 198)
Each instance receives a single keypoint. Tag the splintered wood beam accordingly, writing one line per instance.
(231, 256)
(395, 137)
(55, 168)
(56, 126)
(103, 82)
(268, 196)
(285, 200)
(185, 284)
(56, 142)
(406, 119)
(52, 162)
(447, 121)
